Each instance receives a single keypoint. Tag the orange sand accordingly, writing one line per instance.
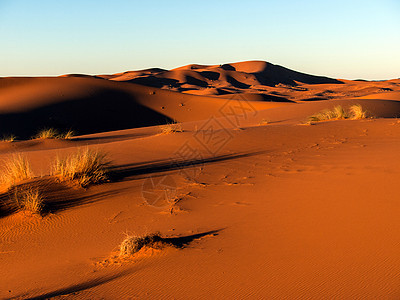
(282, 210)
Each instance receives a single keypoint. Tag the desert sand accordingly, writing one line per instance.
(257, 203)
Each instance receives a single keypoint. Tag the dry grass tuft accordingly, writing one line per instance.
(47, 133)
(338, 113)
(171, 128)
(132, 244)
(29, 199)
(51, 133)
(9, 138)
(357, 112)
(16, 168)
(67, 136)
(84, 167)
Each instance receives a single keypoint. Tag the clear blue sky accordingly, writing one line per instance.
(342, 38)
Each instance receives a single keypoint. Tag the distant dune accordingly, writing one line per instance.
(221, 79)
(258, 77)
(90, 104)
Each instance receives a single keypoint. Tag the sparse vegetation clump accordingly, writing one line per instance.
(48, 133)
(84, 167)
(132, 244)
(16, 168)
(339, 113)
(29, 199)
(355, 112)
(51, 133)
(171, 128)
(9, 138)
(67, 135)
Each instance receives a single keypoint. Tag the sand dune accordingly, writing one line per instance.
(89, 105)
(148, 97)
(86, 105)
(251, 203)
(257, 77)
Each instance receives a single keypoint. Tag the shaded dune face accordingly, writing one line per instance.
(99, 108)
(103, 111)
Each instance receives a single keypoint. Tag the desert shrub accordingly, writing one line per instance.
(132, 244)
(29, 199)
(171, 128)
(67, 135)
(338, 113)
(47, 133)
(84, 167)
(51, 133)
(16, 168)
(357, 112)
(9, 138)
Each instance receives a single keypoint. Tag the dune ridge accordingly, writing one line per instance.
(256, 77)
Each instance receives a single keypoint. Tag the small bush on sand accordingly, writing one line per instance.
(338, 113)
(84, 167)
(51, 133)
(67, 135)
(29, 199)
(171, 128)
(357, 112)
(9, 138)
(16, 168)
(132, 244)
(47, 133)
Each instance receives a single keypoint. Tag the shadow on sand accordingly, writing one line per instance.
(137, 170)
(57, 196)
(81, 286)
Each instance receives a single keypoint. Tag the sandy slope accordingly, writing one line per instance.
(283, 210)
(333, 232)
